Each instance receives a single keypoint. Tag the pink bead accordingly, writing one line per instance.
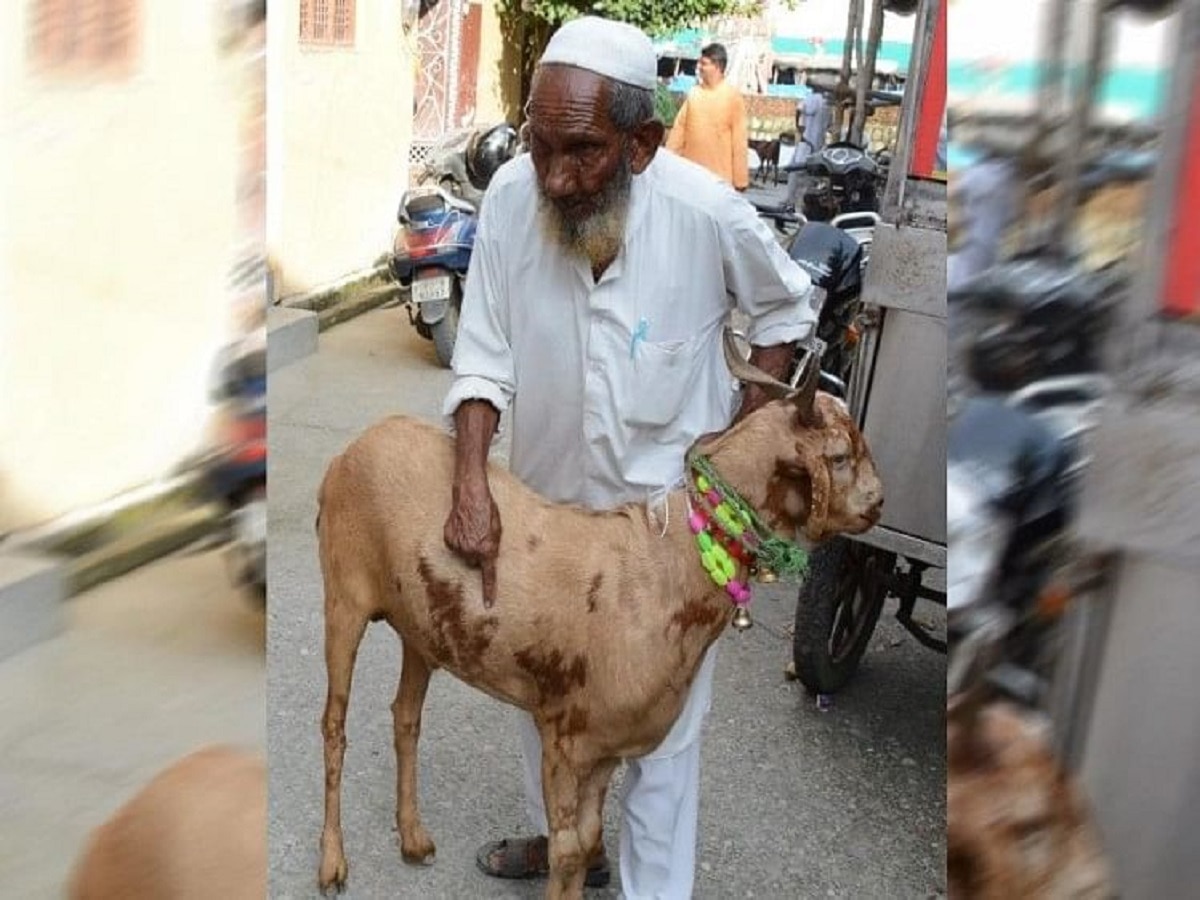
(714, 497)
(696, 522)
(738, 592)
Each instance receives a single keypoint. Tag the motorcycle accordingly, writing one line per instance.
(431, 251)
(845, 179)
(834, 261)
(236, 475)
(1033, 317)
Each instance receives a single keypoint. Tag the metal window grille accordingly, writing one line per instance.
(327, 22)
(83, 37)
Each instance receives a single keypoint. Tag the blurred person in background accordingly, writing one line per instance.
(797, 180)
(710, 128)
(984, 202)
(812, 119)
(812, 124)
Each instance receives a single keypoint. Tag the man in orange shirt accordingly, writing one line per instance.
(710, 128)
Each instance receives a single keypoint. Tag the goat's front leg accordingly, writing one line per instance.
(560, 791)
(415, 844)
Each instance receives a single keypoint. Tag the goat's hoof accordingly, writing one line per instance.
(420, 851)
(333, 876)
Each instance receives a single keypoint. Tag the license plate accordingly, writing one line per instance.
(429, 289)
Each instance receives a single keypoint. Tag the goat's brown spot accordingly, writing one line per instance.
(568, 723)
(779, 486)
(577, 721)
(550, 671)
(457, 640)
(593, 593)
(695, 614)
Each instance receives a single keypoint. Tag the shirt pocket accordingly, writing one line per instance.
(662, 378)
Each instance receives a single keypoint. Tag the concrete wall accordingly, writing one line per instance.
(1141, 763)
(120, 205)
(339, 123)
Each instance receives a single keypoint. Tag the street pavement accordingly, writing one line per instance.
(795, 802)
(150, 667)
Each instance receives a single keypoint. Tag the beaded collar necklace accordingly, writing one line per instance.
(730, 534)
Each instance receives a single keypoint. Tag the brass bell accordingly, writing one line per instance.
(741, 618)
(766, 576)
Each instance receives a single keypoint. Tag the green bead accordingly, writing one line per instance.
(702, 484)
(704, 541)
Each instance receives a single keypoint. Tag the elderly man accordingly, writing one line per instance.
(601, 276)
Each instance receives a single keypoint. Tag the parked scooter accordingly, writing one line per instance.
(236, 476)
(432, 248)
(430, 256)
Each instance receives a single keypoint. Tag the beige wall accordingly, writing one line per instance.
(119, 200)
(339, 127)
(499, 72)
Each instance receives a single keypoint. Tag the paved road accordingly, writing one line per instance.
(795, 802)
(150, 667)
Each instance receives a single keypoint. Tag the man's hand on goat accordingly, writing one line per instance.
(473, 531)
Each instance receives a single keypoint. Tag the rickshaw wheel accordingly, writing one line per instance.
(836, 612)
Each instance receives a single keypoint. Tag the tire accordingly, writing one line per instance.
(843, 580)
(445, 331)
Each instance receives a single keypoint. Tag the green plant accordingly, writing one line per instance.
(666, 107)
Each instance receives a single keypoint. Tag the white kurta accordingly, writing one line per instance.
(610, 383)
(607, 385)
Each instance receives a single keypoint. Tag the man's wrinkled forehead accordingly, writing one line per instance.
(559, 90)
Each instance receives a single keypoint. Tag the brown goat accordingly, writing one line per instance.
(198, 829)
(601, 619)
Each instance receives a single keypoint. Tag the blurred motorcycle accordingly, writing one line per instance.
(1014, 465)
(236, 475)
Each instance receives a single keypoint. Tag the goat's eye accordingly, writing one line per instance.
(840, 460)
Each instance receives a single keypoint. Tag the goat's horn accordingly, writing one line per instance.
(805, 396)
(741, 369)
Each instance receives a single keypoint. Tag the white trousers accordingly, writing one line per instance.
(659, 800)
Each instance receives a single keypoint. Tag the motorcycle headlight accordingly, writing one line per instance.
(974, 538)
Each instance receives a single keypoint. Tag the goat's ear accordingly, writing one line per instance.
(805, 396)
(821, 488)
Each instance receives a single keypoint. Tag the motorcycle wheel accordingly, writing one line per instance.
(445, 331)
(836, 612)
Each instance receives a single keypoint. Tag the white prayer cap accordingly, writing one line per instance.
(613, 49)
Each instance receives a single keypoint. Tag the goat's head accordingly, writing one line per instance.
(818, 470)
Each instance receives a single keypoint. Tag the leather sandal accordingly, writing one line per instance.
(521, 858)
